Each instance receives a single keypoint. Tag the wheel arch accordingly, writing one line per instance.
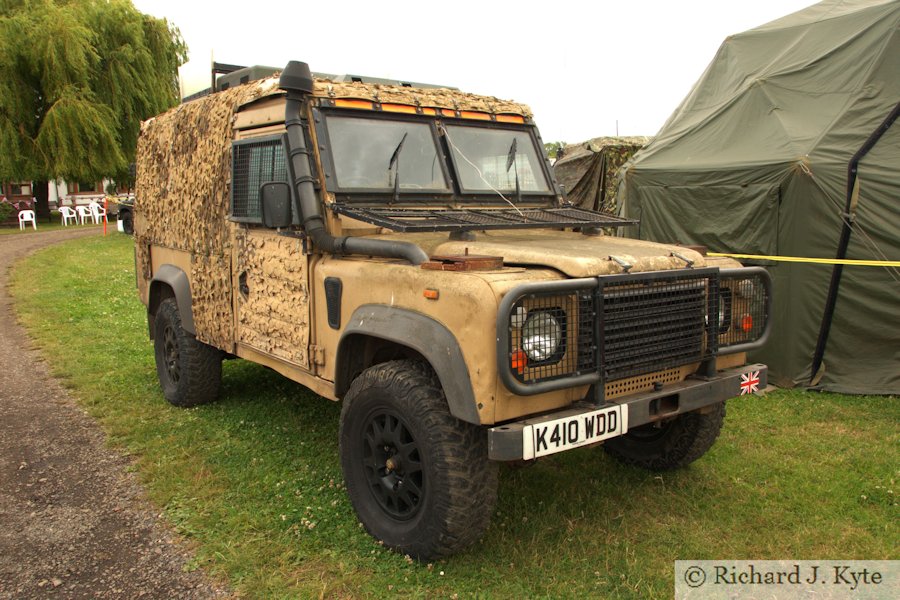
(170, 281)
(377, 333)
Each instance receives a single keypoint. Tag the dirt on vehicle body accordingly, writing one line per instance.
(407, 252)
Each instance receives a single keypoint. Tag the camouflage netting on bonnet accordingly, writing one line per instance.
(431, 97)
(182, 198)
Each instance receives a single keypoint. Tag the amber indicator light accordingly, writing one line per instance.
(431, 294)
(519, 361)
(747, 323)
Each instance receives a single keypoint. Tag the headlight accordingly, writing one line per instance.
(541, 336)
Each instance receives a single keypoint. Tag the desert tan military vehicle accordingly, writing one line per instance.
(406, 251)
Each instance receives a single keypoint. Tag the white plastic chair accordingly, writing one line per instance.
(84, 213)
(98, 213)
(27, 215)
(67, 215)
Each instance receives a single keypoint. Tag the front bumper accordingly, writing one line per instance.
(515, 441)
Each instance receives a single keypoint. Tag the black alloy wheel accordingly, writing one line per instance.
(393, 465)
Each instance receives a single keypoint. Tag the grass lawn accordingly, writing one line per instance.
(254, 481)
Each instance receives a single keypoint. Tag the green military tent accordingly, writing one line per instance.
(755, 161)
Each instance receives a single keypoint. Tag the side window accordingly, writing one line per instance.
(253, 163)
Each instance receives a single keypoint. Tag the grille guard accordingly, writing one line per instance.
(595, 374)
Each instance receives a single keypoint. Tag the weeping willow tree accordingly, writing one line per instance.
(76, 79)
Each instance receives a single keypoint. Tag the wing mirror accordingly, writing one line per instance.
(275, 204)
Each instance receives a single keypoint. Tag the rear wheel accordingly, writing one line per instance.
(418, 478)
(670, 445)
(189, 371)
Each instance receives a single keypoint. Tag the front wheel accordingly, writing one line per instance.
(189, 371)
(670, 445)
(418, 478)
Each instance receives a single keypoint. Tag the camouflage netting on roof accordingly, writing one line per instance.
(588, 170)
(183, 167)
(182, 197)
(431, 97)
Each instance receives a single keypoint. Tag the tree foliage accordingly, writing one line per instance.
(552, 148)
(78, 77)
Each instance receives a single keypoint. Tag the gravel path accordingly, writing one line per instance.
(73, 522)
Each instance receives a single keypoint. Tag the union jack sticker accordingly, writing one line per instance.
(749, 382)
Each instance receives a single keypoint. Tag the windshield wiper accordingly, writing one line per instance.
(511, 162)
(395, 161)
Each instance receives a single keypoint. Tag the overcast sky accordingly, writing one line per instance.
(581, 66)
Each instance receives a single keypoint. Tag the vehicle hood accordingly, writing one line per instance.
(571, 253)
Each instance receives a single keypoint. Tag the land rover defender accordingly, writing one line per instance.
(407, 252)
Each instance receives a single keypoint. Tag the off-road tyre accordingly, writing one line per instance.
(675, 444)
(440, 496)
(127, 222)
(189, 371)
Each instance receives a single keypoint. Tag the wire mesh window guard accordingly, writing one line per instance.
(254, 162)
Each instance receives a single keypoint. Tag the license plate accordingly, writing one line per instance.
(557, 435)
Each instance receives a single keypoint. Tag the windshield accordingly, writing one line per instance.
(490, 159)
(377, 154)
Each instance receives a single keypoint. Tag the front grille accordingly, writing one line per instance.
(654, 324)
(618, 326)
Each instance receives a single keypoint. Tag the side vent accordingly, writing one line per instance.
(333, 290)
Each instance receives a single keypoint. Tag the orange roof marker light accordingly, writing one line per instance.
(431, 112)
(364, 104)
(478, 116)
(399, 108)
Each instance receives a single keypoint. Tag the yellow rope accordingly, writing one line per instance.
(818, 261)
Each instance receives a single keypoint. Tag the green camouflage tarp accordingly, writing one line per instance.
(588, 170)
